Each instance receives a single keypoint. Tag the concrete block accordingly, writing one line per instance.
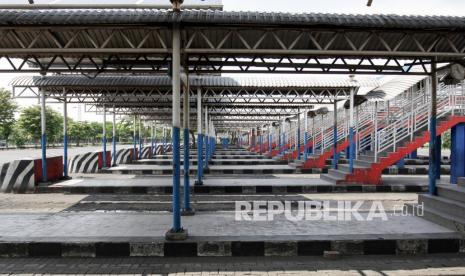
(411, 247)
(153, 249)
(14, 250)
(248, 190)
(280, 248)
(214, 249)
(78, 250)
(279, 189)
(348, 247)
(308, 189)
(248, 248)
(369, 188)
(332, 255)
(398, 188)
(462, 246)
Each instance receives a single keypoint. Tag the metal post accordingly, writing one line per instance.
(104, 138)
(432, 129)
(134, 138)
(65, 135)
(351, 132)
(375, 147)
(298, 136)
(313, 135)
(270, 139)
(187, 208)
(113, 139)
(335, 154)
(140, 138)
(199, 180)
(43, 141)
(152, 146)
(176, 82)
(155, 144)
(322, 146)
(306, 135)
(164, 140)
(207, 138)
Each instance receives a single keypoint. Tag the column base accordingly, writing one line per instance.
(180, 235)
(45, 183)
(187, 212)
(198, 183)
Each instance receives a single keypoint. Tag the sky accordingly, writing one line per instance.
(403, 7)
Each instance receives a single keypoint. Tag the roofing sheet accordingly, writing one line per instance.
(398, 85)
(150, 16)
(204, 81)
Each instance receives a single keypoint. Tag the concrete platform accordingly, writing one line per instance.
(216, 234)
(141, 169)
(214, 162)
(235, 184)
(213, 203)
(223, 156)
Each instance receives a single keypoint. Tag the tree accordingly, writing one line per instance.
(79, 131)
(446, 140)
(7, 109)
(18, 136)
(29, 122)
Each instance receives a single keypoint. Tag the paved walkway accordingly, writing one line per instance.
(128, 227)
(102, 180)
(440, 264)
(98, 180)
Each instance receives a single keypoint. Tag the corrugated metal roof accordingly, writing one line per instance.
(203, 81)
(151, 16)
(398, 85)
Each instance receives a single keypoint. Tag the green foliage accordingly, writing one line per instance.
(29, 122)
(79, 132)
(7, 109)
(18, 136)
(446, 142)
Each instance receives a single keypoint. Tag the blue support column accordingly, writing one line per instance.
(335, 154)
(65, 136)
(305, 146)
(351, 132)
(113, 138)
(212, 148)
(187, 210)
(104, 138)
(351, 149)
(139, 139)
(152, 142)
(176, 232)
(187, 207)
(199, 159)
(432, 129)
(283, 143)
(134, 138)
(207, 149)
(176, 179)
(260, 141)
(298, 139)
(457, 153)
(43, 137)
(270, 143)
